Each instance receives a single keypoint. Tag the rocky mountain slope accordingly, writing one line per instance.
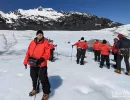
(49, 19)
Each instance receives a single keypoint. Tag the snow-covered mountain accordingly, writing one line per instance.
(50, 19)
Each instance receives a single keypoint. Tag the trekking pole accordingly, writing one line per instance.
(57, 51)
(37, 83)
(71, 53)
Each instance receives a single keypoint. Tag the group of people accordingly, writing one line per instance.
(102, 51)
(41, 50)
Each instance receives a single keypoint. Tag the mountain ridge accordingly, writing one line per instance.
(50, 19)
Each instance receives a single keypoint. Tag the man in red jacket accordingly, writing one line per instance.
(96, 48)
(36, 56)
(52, 48)
(81, 48)
(105, 52)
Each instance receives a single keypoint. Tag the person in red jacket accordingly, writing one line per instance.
(52, 48)
(81, 48)
(36, 56)
(115, 51)
(105, 52)
(96, 48)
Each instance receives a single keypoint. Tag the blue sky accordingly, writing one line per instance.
(117, 10)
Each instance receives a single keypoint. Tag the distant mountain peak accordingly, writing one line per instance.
(48, 18)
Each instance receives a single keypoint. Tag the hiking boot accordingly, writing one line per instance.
(81, 63)
(108, 67)
(77, 62)
(52, 60)
(114, 66)
(101, 66)
(127, 73)
(33, 92)
(45, 97)
(118, 71)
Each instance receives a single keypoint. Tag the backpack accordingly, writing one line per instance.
(124, 52)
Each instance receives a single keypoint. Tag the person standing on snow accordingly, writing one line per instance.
(96, 48)
(36, 56)
(105, 52)
(123, 46)
(52, 49)
(114, 52)
(81, 48)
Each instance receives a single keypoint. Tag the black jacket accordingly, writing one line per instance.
(123, 43)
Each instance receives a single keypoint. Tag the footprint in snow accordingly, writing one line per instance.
(4, 71)
(83, 90)
(19, 74)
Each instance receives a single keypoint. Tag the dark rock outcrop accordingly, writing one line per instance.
(70, 21)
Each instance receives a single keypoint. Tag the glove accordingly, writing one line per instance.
(40, 61)
(72, 46)
(53, 49)
(56, 45)
(25, 66)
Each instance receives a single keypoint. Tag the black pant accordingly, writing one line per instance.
(97, 55)
(126, 59)
(115, 56)
(43, 77)
(80, 55)
(115, 59)
(103, 59)
(52, 54)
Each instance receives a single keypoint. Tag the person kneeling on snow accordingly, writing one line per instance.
(96, 48)
(81, 48)
(105, 52)
(52, 49)
(123, 46)
(36, 56)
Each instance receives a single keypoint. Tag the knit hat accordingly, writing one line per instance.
(82, 38)
(116, 39)
(104, 41)
(120, 36)
(39, 32)
(97, 40)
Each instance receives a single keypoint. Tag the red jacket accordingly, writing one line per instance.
(81, 44)
(105, 49)
(38, 50)
(52, 46)
(114, 50)
(96, 45)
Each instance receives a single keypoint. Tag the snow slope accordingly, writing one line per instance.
(47, 12)
(69, 81)
(124, 29)
(33, 14)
